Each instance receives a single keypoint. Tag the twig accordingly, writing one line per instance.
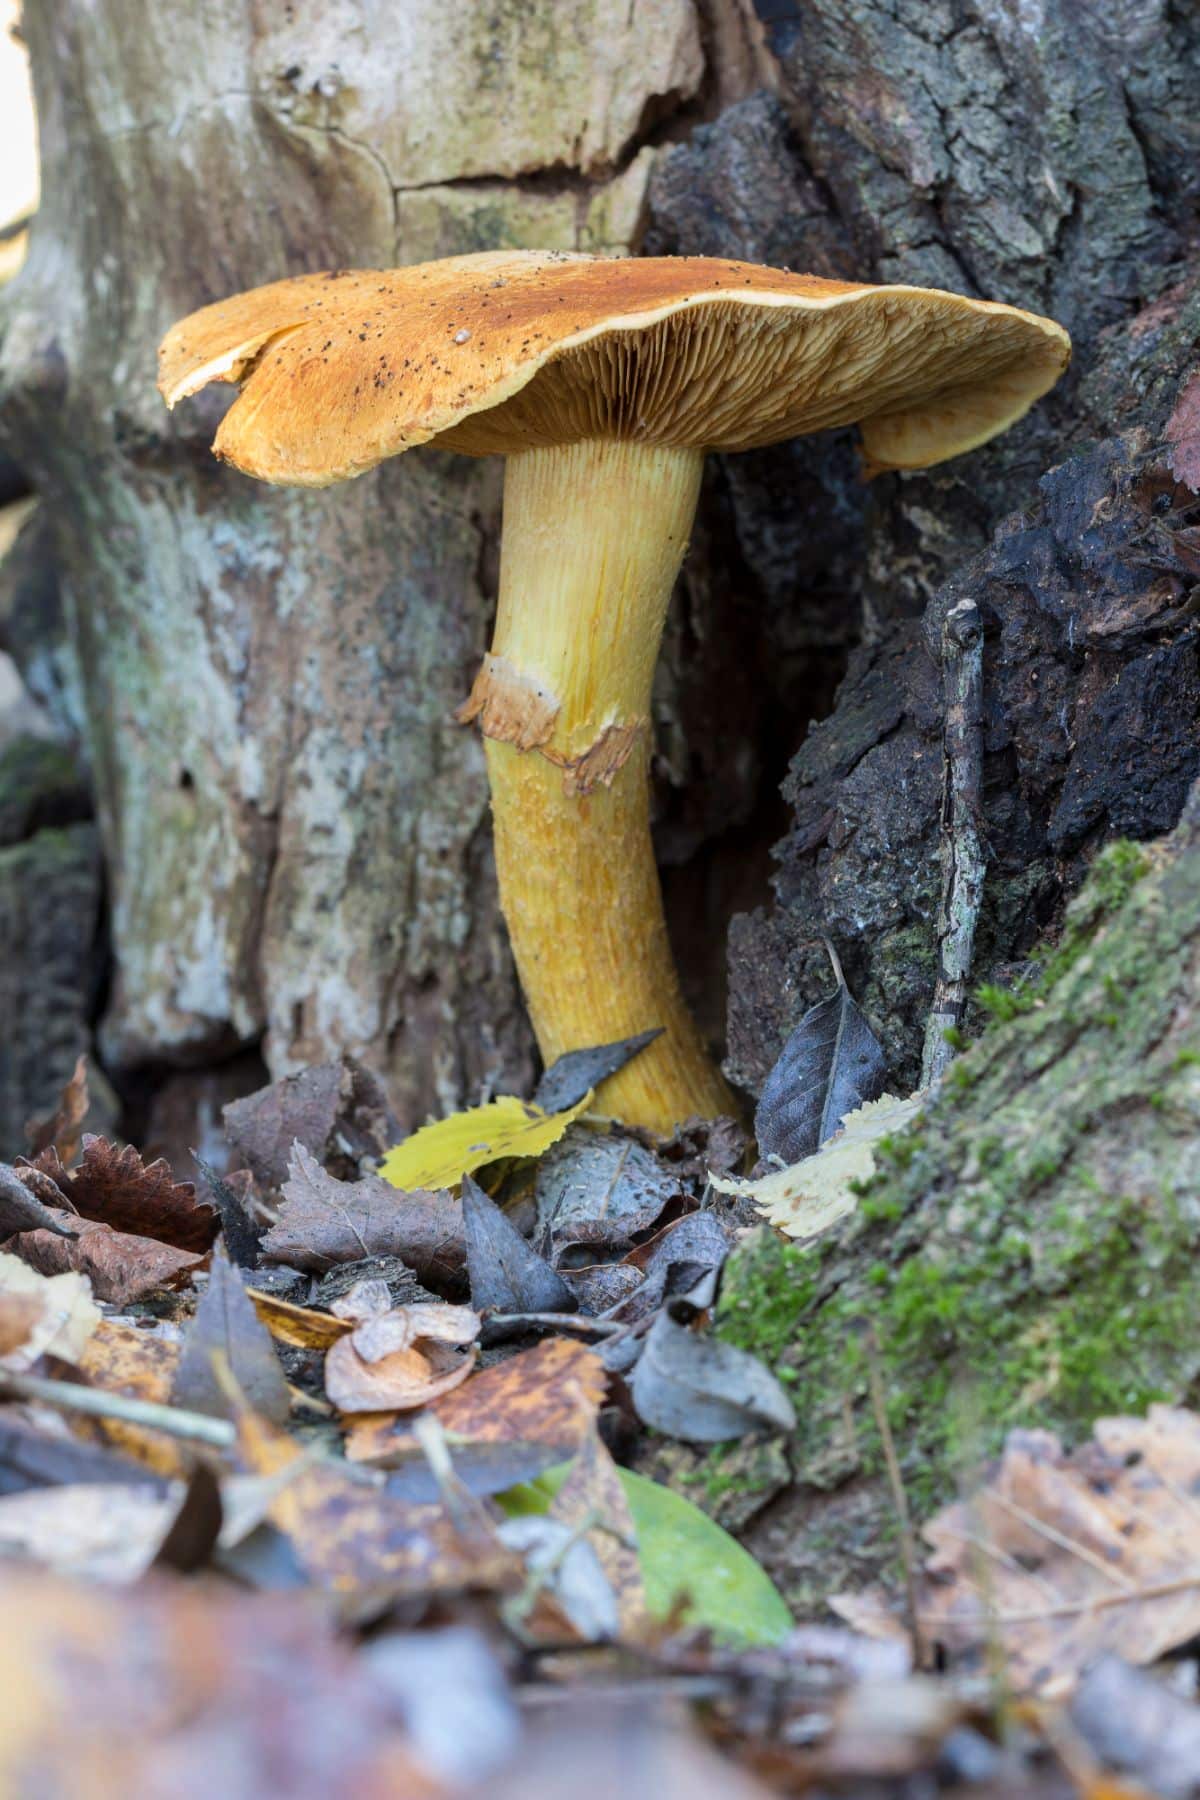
(553, 1321)
(961, 850)
(172, 1420)
(908, 1542)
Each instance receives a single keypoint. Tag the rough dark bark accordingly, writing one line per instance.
(50, 963)
(1045, 154)
(1092, 703)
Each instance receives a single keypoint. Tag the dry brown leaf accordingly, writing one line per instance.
(59, 1310)
(116, 1187)
(1058, 1559)
(121, 1268)
(398, 1357)
(121, 1359)
(137, 1691)
(400, 1327)
(61, 1130)
(548, 1395)
(323, 1221)
(301, 1326)
(347, 1535)
(1182, 433)
(397, 1382)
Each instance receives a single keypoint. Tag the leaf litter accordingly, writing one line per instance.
(413, 1478)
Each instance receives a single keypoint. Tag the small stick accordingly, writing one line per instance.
(961, 850)
(67, 1397)
(908, 1543)
(553, 1321)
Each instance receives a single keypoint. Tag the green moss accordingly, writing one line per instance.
(1011, 1273)
(765, 1291)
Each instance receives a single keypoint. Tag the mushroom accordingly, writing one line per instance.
(603, 382)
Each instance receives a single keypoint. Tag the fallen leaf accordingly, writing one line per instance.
(59, 1314)
(1182, 434)
(323, 1221)
(241, 1231)
(31, 1457)
(438, 1156)
(301, 1326)
(669, 1263)
(402, 1326)
(350, 1536)
(809, 1198)
(1060, 1559)
(338, 1111)
(829, 1066)
(103, 1532)
(154, 1689)
(121, 1268)
(562, 1568)
(593, 1500)
(574, 1076)
(61, 1130)
(123, 1359)
(23, 1210)
(226, 1324)
(399, 1381)
(599, 1189)
(115, 1187)
(702, 1390)
(506, 1274)
(547, 1395)
(690, 1567)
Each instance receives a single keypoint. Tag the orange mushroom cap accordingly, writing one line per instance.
(509, 350)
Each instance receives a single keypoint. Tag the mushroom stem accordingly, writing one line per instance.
(594, 534)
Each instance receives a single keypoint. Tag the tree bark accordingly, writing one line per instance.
(1046, 154)
(296, 832)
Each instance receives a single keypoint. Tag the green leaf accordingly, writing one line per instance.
(683, 1554)
(438, 1156)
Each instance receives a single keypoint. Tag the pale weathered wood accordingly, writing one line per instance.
(296, 832)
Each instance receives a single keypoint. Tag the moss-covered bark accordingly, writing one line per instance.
(1030, 1253)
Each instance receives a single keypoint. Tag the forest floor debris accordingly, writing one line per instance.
(381, 1475)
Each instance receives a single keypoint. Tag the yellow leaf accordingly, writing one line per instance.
(300, 1326)
(808, 1199)
(438, 1156)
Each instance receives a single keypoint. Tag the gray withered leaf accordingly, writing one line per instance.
(695, 1387)
(506, 1274)
(831, 1064)
(241, 1234)
(599, 1190)
(568, 1079)
(226, 1321)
